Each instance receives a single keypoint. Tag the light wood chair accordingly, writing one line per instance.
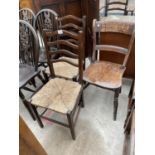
(106, 74)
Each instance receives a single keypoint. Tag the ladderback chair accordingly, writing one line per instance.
(116, 5)
(60, 94)
(106, 74)
(27, 15)
(73, 24)
(46, 19)
(28, 58)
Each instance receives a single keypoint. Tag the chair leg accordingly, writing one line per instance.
(37, 116)
(33, 82)
(26, 105)
(82, 100)
(116, 95)
(71, 125)
(45, 76)
(41, 78)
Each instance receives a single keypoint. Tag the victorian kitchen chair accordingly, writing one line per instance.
(28, 59)
(60, 94)
(27, 15)
(116, 5)
(106, 74)
(46, 19)
(73, 24)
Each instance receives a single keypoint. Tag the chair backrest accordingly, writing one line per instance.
(46, 19)
(27, 15)
(28, 44)
(116, 5)
(73, 24)
(112, 26)
(78, 49)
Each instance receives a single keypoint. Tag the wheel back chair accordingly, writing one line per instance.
(116, 5)
(28, 59)
(106, 74)
(60, 94)
(46, 19)
(73, 24)
(27, 15)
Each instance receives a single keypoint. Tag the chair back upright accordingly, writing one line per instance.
(117, 27)
(28, 45)
(62, 49)
(27, 15)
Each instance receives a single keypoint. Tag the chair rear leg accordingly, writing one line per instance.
(116, 95)
(82, 100)
(71, 125)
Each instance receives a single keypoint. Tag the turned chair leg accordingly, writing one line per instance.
(71, 125)
(116, 95)
(33, 82)
(37, 116)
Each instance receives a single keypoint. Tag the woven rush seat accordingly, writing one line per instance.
(64, 69)
(58, 94)
(106, 74)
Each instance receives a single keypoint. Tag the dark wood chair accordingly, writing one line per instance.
(106, 74)
(60, 94)
(116, 5)
(46, 19)
(73, 24)
(28, 59)
(27, 15)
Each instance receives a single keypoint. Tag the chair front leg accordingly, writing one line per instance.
(116, 95)
(26, 105)
(37, 116)
(71, 125)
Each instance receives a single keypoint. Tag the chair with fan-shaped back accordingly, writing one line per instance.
(28, 59)
(46, 19)
(27, 15)
(107, 74)
(61, 94)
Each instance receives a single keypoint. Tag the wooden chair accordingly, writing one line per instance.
(27, 15)
(28, 59)
(46, 19)
(73, 24)
(60, 94)
(116, 5)
(106, 74)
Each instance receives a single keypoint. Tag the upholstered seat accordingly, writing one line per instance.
(105, 74)
(64, 69)
(56, 95)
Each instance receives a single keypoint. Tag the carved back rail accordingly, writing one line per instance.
(27, 15)
(28, 44)
(112, 26)
(78, 48)
(46, 19)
